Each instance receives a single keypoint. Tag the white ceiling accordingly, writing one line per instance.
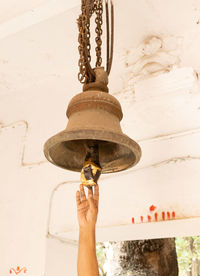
(155, 76)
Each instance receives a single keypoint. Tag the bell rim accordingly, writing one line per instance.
(93, 135)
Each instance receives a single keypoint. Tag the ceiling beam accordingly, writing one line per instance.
(36, 15)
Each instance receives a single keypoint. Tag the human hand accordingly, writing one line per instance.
(87, 209)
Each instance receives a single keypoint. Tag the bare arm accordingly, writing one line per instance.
(87, 210)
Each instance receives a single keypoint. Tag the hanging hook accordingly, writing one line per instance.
(108, 36)
(110, 40)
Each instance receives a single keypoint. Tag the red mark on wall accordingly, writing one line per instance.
(149, 218)
(152, 208)
(164, 215)
(18, 270)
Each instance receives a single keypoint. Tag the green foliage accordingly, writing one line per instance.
(101, 258)
(184, 254)
(197, 247)
(188, 250)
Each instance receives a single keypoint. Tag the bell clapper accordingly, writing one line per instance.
(91, 170)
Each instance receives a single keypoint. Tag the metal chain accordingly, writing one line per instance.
(98, 30)
(82, 76)
(89, 7)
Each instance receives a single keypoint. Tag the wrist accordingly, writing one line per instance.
(87, 228)
(87, 235)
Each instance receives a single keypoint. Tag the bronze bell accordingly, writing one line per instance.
(94, 116)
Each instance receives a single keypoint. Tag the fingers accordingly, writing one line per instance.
(90, 192)
(96, 192)
(80, 195)
(83, 197)
(91, 203)
(78, 200)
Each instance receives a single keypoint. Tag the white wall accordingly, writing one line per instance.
(38, 77)
(61, 258)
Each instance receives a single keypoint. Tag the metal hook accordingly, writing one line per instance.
(110, 46)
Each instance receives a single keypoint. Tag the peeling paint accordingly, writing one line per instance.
(154, 56)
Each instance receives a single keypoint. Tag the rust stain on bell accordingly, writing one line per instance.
(94, 116)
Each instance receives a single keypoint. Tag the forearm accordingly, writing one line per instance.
(87, 259)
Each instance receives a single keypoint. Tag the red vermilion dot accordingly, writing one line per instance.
(18, 268)
(149, 218)
(133, 220)
(156, 216)
(10, 271)
(168, 215)
(152, 208)
(163, 215)
(173, 215)
(141, 218)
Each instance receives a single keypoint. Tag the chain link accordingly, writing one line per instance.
(82, 75)
(98, 30)
(86, 74)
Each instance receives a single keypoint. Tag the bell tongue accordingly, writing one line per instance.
(91, 170)
(93, 152)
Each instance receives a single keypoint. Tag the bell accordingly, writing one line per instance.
(94, 117)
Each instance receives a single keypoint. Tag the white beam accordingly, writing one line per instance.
(36, 15)
(153, 230)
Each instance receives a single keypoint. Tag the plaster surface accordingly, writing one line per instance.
(155, 77)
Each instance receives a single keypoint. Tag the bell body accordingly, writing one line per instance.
(94, 116)
(94, 110)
